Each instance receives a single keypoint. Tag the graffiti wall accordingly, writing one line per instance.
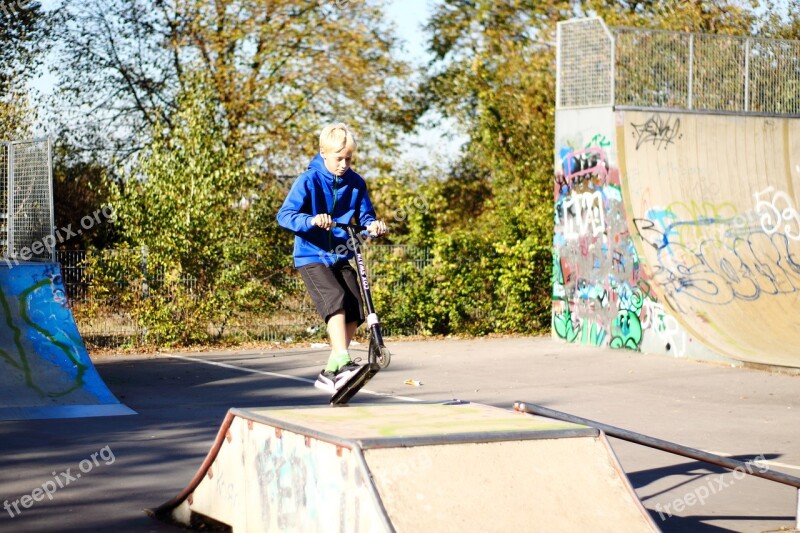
(602, 295)
(712, 204)
(45, 370)
(265, 478)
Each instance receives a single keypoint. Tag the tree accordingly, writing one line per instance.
(80, 189)
(277, 68)
(493, 72)
(200, 223)
(726, 17)
(24, 28)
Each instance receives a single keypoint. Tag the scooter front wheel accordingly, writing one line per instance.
(380, 354)
(385, 357)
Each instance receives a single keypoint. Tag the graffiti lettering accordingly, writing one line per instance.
(38, 315)
(599, 140)
(657, 131)
(772, 214)
(581, 211)
(655, 318)
(584, 170)
(719, 273)
(594, 259)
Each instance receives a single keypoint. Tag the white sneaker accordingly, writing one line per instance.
(346, 372)
(326, 381)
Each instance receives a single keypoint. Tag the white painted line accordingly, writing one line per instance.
(773, 463)
(277, 375)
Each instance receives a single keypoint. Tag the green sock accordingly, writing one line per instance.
(337, 360)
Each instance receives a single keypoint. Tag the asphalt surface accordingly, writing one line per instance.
(130, 463)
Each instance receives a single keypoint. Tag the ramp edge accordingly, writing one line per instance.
(64, 411)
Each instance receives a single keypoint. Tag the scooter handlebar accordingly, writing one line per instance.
(354, 227)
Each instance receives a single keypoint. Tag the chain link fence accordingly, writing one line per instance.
(653, 69)
(105, 322)
(26, 201)
(584, 62)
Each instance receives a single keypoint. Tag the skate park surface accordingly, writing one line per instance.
(129, 463)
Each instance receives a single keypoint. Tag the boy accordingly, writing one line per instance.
(330, 191)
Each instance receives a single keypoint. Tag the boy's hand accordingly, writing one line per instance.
(377, 227)
(323, 220)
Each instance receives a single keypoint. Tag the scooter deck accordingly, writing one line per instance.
(355, 384)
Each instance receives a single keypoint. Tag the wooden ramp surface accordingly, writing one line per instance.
(407, 467)
(712, 205)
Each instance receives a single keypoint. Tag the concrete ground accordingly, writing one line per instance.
(127, 464)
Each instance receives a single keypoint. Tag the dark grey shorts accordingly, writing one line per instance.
(333, 288)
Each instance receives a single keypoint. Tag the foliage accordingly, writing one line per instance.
(490, 216)
(490, 221)
(204, 219)
(278, 69)
(81, 188)
(24, 30)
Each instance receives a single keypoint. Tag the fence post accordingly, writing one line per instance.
(746, 75)
(51, 199)
(6, 147)
(10, 246)
(691, 71)
(558, 66)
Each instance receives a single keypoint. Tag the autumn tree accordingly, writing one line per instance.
(278, 69)
(493, 73)
(24, 29)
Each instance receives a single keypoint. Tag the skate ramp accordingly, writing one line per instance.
(711, 204)
(406, 467)
(46, 372)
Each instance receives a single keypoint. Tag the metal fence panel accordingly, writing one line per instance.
(30, 201)
(585, 58)
(774, 76)
(651, 68)
(655, 69)
(719, 74)
(108, 323)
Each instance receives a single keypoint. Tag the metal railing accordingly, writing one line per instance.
(655, 69)
(670, 447)
(26, 201)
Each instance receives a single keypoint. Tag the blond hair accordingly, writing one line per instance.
(336, 137)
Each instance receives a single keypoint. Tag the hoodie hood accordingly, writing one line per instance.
(317, 164)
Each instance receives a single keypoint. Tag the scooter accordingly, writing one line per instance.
(379, 356)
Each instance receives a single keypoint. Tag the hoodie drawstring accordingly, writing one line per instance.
(335, 194)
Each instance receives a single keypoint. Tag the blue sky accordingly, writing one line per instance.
(410, 16)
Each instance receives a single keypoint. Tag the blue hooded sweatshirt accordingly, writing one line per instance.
(317, 191)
